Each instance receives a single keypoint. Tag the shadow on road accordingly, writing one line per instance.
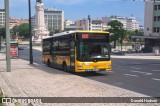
(90, 74)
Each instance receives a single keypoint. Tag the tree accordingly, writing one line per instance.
(2, 32)
(56, 31)
(133, 33)
(21, 30)
(118, 33)
(2, 35)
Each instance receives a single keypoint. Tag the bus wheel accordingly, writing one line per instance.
(64, 67)
(48, 63)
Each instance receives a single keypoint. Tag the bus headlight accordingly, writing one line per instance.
(79, 67)
(109, 65)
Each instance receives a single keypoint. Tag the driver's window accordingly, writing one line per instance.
(105, 49)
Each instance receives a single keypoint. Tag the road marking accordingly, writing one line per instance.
(155, 64)
(130, 75)
(110, 71)
(144, 73)
(156, 79)
(122, 62)
(155, 70)
(135, 68)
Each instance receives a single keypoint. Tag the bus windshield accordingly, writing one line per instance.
(88, 51)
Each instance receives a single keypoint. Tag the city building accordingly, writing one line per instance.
(151, 36)
(96, 24)
(54, 19)
(72, 27)
(152, 18)
(17, 22)
(2, 17)
(68, 23)
(129, 23)
(83, 24)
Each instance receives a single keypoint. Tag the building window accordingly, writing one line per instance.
(155, 7)
(158, 18)
(155, 18)
(159, 7)
(158, 29)
(154, 29)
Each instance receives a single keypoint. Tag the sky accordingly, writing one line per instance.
(80, 9)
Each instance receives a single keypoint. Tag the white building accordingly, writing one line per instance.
(96, 25)
(2, 17)
(54, 19)
(152, 18)
(68, 23)
(129, 23)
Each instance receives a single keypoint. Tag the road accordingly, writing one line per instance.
(138, 75)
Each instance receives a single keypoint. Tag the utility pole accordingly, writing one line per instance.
(8, 59)
(30, 32)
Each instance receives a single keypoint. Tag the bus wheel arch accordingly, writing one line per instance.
(64, 66)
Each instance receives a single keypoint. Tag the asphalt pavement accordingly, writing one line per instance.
(38, 80)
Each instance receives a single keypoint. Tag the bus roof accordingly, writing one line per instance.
(77, 31)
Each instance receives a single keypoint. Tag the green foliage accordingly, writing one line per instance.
(116, 28)
(2, 32)
(22, 30)
(57, 31)
(53, 31)
(1, 95)
(133, 33)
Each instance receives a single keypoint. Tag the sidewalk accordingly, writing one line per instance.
(37, 80)
(137, 57)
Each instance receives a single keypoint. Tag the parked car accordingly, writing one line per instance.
(131, 51)
(20, 48)
(118, 52)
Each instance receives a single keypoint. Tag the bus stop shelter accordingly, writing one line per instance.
(147, 44)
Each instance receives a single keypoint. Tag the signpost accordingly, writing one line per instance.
(14, 53)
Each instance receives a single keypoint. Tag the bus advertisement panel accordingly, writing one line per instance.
(14, 50)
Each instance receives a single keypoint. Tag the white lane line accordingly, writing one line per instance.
(135, 68)
(155, 64)
(156, 79)
(144, 73)
(122, 62)
(130, 75)
(156, 70)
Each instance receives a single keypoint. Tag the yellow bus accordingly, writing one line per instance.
(78, 51)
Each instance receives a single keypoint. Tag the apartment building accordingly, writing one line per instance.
(54, 19)
(129, 23)
(68, 23)
(152, 18)
(95, 25)
(2, 17)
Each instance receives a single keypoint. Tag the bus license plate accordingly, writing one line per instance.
(95, 69)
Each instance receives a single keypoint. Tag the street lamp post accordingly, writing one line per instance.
(8, 59)
(30, 32)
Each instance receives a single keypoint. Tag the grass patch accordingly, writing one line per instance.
(1, 95)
